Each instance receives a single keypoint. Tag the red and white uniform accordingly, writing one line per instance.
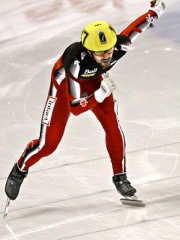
(75, 77)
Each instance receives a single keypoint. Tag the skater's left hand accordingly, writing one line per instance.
(158, 7)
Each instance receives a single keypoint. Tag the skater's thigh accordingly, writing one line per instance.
(57, 110)
(106, 112)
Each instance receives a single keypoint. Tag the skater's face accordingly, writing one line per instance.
(103, 57)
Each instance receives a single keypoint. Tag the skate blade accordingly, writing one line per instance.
(6, 208)
(132, 202)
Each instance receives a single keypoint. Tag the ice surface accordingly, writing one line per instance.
(70, 195)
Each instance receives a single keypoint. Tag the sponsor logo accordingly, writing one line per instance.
(48, 111)
(89, 73)
(124, 47)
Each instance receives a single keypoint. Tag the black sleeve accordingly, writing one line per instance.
(122, 40)
(70, 54)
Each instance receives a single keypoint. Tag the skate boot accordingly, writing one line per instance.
(123, 186)
(14, 182)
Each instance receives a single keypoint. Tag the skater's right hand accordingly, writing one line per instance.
(106, 88)
(158, 7)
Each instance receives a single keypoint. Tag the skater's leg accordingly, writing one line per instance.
(52, 128)
(107, 114)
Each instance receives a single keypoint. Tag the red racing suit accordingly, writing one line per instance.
(75, 77)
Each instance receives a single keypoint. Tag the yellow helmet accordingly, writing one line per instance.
(98, 36)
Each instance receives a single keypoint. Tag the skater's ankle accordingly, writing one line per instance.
(20, 171)
(119, 176)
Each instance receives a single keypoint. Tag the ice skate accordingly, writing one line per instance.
(14, 182)
(124, 187)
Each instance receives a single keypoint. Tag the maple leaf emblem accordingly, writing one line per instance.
(83, 102)
(149, 19)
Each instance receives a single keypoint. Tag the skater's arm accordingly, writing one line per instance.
(143, 22)
(81, 105)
